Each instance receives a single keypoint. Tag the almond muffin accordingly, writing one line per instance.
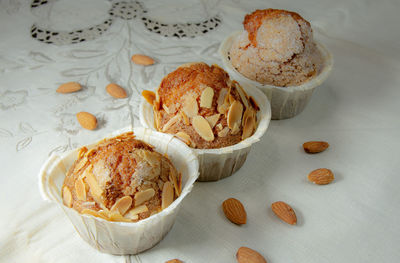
(121, 179)
(203, 107)
(276, 48)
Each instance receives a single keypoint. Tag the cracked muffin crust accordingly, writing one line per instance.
(276, 48)
(201, 105)
(121, 179)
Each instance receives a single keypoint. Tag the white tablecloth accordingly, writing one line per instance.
(354, 219)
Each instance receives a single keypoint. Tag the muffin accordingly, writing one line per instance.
(203, 107)
(276, 48)
(121, 179)
(277, 53)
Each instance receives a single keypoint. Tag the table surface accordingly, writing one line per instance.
(354, 219)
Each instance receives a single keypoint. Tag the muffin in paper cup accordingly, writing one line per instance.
(218, 163)
(286, 102)
(123, 237)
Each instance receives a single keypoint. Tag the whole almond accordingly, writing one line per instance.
(321, 176)
(142, 60)
(248, 255)
(87, 120)
(69, 87)
(116, 91)
(175, 260)
(234, 211)
(315, 146)
(284, 212)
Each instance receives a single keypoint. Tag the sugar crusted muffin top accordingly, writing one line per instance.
(121, 179)
(203, 107)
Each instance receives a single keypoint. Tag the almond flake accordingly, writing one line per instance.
(248, 127)
(93, 213)
(184, 137)
(137, 210)
(242, 94)
(222, 104)
(206, 97)
(167, 196)
(202, 127)
(143, 196)
(122, 205)
(165, 107)
(235, 114)
(174, 181)
(118, 217)
(223, 132)
(219, 126)
(184, 118)
(235, 128)
(94, 187)
(171, 122)
(190, 107)
(80, 189)
(212, 120)
(67, 196)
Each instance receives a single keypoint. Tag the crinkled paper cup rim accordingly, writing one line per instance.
(225, 47)
(184, 159)
(264, 116)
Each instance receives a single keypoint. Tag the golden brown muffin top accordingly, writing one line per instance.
(254, 20)
(120, 179)
(201, 105)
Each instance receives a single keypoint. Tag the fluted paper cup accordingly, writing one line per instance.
(215, 164)
(122, 237)
(286, 102)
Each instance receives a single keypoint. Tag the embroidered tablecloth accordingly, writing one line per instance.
(355, 219)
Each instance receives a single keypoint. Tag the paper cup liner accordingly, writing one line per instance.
(286, 102)
(215, 164)
(121, 237)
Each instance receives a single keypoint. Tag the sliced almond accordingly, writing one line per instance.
(117, 217)
(122, 205)
(222, 104)
(242, 94)
(94, 213)
(82, 152)
(142, 60)
(202, 127)
(234, 211)
(190, 107)
(87, 120)
(321, 176)
(144, 196)
(132, 217)
(69, 87)
(184, 137)
(248, 127)
(206, 97)
(212, 120)
(94, 187)
(223, 132)
(315, 146)
(80, 189)
(171, 122)
(235, 128)
(184, 118)
(254, 103)
(165, 107)
(284, 212)
(248, 255)
(235, 114)
(67, 196)
(157, 120)
(174, 181)
(149, 96)
(219, 127)
(116, 91)
(137, 210)
(167, 196)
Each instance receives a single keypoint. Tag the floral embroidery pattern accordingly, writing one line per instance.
(11, 99)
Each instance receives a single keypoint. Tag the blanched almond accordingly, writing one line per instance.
(67, 196)
(206, 97)
(212, 120)
(122, 205)
(149, 96)
(143, 196)
(202, 127)
(80, 189)
(167, 196)
(69, 87)
(116, 91)
(87, 120)
(142, 60)
(235, 114)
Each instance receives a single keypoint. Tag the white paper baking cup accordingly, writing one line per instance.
(121, 237)
(286, 102)
(215, 164)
